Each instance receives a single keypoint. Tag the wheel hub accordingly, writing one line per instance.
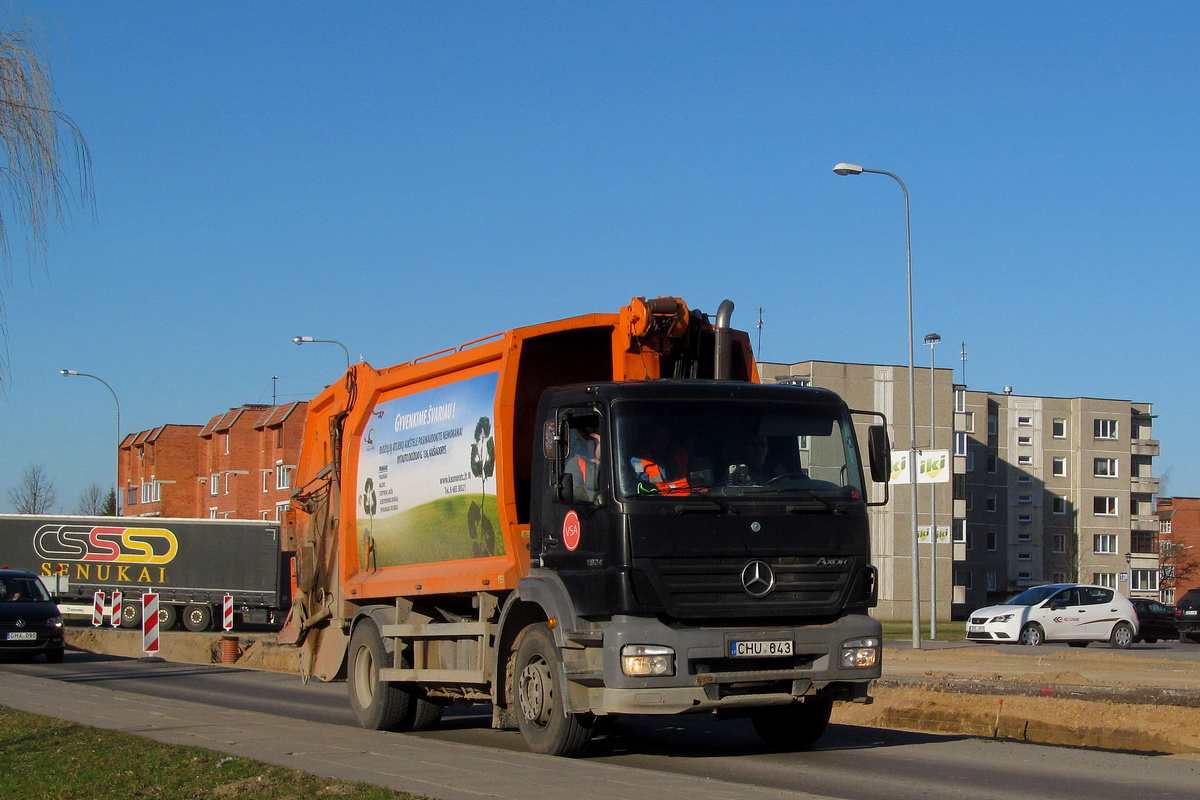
(536, 692)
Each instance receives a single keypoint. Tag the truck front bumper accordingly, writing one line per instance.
(707, 676)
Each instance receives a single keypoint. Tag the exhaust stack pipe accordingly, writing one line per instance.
(723, 357)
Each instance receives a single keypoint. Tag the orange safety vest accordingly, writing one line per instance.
(654, 474)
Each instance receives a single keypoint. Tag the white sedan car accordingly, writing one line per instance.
(1075, 613)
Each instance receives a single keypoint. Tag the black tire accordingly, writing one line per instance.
(794, 727)
(1033, 635)
(377, 706)
(55, 655)
(131, 614)
(537, 676)
(1150, 641)
(197, 617)
(1122, 636)
(168, 616)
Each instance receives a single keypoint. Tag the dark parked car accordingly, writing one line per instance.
(1187, 616)
(30, 622)
(1155, 620)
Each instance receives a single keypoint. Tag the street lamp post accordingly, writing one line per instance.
(855, 169)
(307, 339)
(932, 339)
(66, 373)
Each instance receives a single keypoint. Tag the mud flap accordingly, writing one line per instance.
(323, 653)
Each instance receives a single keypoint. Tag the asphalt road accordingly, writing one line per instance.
(849, 762)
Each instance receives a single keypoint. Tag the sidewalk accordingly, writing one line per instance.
(441, 770)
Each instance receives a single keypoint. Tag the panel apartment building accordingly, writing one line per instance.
(1044, 489)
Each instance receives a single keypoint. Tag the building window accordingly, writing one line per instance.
(962, 577)
(991, 464)
(1104, 506)
(1105, 468)
(266, 481)
(1144, 542)
(1025, 461)
(226, 438)
(1025, 519)
(991, 581)
(991, 541)
(1058, 577)
(1025, 422)
(1024, 537)
(131, 496)
(1059, 505)
(1023, 556)
(970, 498)
(970, 461)
(1105, 429)
(1058, 543)
(280, 510)
(212, 513)
(1025, 441)
(1106, 579)
(993, 424)
(1024, 577)
(147, 492)
(279, 438)
(1104, 544)
(283, 477)
(968, 421)
(214, 484)
(960, 400)
(991, 502)
(1058, 429)
(960, 443)
(156, 492)
(960, 531)
(1024, 498)
(1024, 479)
(1059, 466)
(1164, 527)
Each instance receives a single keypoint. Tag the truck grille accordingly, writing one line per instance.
(712, 587)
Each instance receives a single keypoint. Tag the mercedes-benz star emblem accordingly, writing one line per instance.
(758, 579)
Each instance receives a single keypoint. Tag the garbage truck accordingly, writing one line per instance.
(600, 516)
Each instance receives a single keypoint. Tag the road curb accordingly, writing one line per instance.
(1151, 696)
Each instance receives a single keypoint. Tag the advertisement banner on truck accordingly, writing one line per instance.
(427, 477)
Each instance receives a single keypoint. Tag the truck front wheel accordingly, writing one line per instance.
(793, 727)
(545, 725)
(131, 614)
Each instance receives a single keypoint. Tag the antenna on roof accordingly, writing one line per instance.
(758, 349)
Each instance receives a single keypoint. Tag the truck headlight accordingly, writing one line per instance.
(860, 652)
(647, 660)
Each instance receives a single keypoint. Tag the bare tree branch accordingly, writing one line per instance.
(35, 493)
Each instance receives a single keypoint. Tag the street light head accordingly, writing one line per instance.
(848, 169)
(932, 338)
(301, 339)
(67, 372)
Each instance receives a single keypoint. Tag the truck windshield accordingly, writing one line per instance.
(735, 449)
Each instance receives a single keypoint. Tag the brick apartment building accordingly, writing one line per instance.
(238, 466)
(1179, 538)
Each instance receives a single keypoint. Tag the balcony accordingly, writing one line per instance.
(1144, 523)
(1144, 447)
(1144, 485)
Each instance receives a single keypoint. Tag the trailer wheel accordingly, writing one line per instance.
(542, 718)
(197, 617)
(168, 616)
(794, 727)
(131, 614)
(376, 705)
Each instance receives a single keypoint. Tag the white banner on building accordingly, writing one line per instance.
(943, 534)
(933, 466)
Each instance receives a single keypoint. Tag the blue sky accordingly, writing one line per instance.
(404, 177)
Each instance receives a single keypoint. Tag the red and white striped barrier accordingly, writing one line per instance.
(227, 612)
(98, 609)
(150, 623)
(114, 610)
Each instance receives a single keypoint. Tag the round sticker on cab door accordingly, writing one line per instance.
(570, 532)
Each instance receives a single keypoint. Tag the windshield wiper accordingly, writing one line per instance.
(717, 506)
(791, 509)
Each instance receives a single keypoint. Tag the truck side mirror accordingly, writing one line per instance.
(880, 452)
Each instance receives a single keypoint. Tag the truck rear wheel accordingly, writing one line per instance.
(131, 614)
(197, 617)
(545, 725)
(168, 615)
(379, 705)
(793, 727)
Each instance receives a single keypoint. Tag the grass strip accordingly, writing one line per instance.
(51, 759)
